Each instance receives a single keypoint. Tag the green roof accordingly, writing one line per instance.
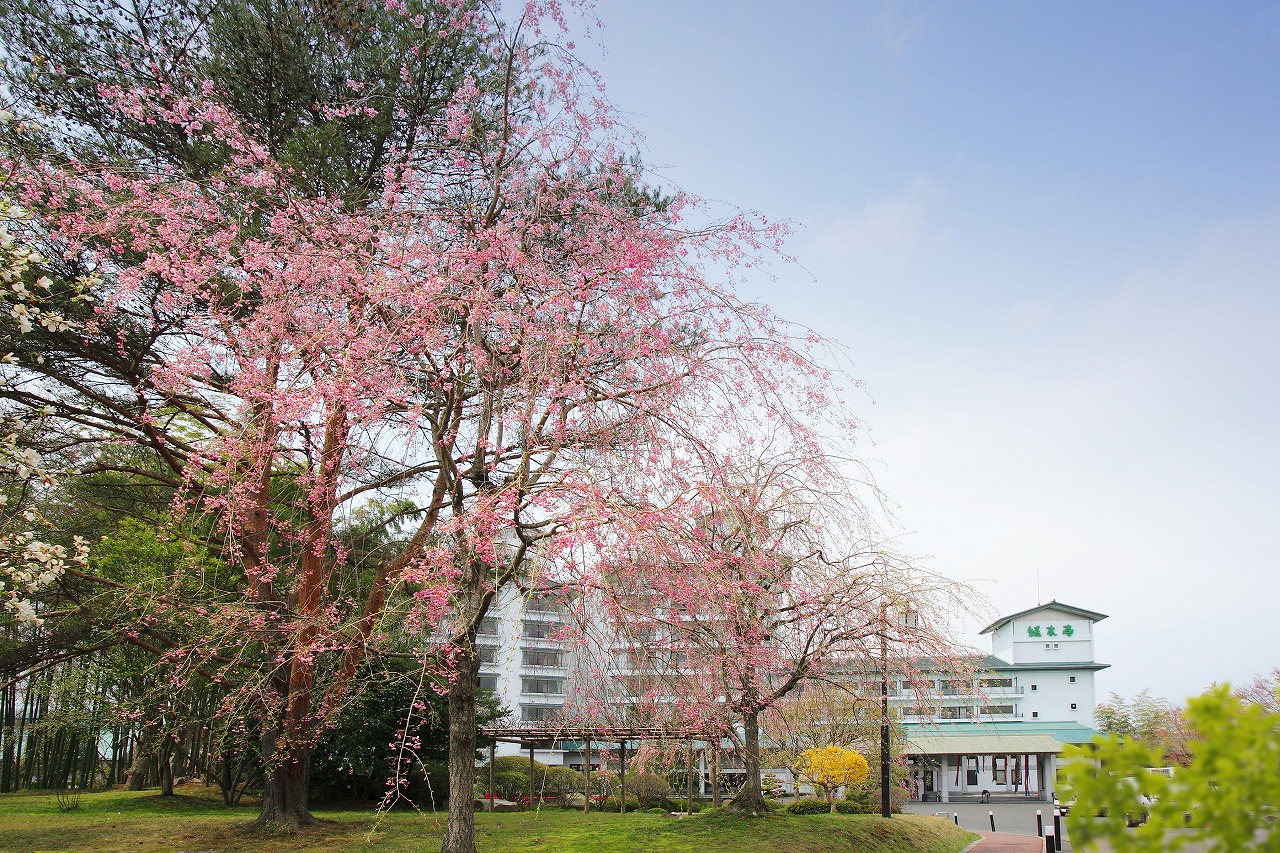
(981, 743)
(1003, 735)
(995, 664)
(1054, 605)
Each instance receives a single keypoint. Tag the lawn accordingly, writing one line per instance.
(194, 821)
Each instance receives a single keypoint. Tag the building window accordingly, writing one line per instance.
(998, 769)
(487, 682)
(539, 713)
(1033, 687)
(488, 625)
(487, 654)
(1035, 714)
(1072, 679)
(954, 712)
(997, 682)
(540, 630)
(554, 686)
(1055, 645)
(542, 657)
(1073, 706)
(972, 771)
(998, 710)
(544, 604)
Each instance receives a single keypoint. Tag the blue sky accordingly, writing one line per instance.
(1049, 237)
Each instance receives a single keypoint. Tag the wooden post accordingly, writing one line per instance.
(688, 765)
(492, 745)
(531, 774)
(715, 775)
(586, 770)
(622, 777)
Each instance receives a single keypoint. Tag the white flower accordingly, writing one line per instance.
(26, 613)
(54, 322)
(22, 314)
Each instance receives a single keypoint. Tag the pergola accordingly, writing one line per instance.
(546, 737)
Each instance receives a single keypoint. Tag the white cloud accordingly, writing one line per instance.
(899, 21)
(884, 237)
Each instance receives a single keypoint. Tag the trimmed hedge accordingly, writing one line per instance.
(816, 806)
(610, 804)
(808, 806)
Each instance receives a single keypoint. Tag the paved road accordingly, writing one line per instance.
(1017, 818)
(1007, 842)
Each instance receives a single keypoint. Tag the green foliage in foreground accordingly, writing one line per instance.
(144, 822)
(1227, 799)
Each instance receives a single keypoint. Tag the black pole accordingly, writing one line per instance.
(886, 805)
(622, 777)
(1057, 829)
(586, 767)
(992, 817)
(688, 787)
(1048, 839)
(492, 745)
(956, 817)
(1039, 824)
(531, 774)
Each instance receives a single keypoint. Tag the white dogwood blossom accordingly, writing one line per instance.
(28, 563)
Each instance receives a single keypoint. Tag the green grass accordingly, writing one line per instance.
(120, 820)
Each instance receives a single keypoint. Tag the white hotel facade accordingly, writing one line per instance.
(1000, 730)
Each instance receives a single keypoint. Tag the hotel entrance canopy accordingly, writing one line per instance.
(984, 743)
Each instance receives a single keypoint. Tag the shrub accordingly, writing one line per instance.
(610, 804)
(808, 806)
(898, 797)
(858, 801)
(649, 788)
(511, 779)
(562, 783)
(656, 810)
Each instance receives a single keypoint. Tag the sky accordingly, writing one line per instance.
(1048, 236)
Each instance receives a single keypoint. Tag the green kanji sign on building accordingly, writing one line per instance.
(1050, 630)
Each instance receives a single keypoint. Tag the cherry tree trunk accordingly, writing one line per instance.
(460, 830)
(751, 798)
(285, 785)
